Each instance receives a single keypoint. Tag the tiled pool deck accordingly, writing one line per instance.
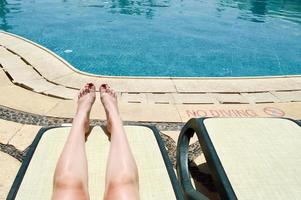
(38, 88)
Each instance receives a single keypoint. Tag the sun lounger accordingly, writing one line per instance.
(156, 175)
(257, 158)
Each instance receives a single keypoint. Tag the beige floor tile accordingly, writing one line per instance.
(65, 108)
(23, 48)
(149, 112)
(4, 52)
(26, 49)
(63, 92)
(290, 110)
(265, 97)
(4, 81)
(275, 84)
(297, 80)
(7, 58)
(22, 74)
(290, 96)
(193, 98)
(21, 99)
(75, 80)
(24, 137)
(50, 69)
(39, 85)
(13, 62)
(133, 98)
(139, 85)
(7, 130)
(7, 40)
(47, 64)
(197, 85)
(235, 85)
(165, 98)
(8, 172)
(230, 98)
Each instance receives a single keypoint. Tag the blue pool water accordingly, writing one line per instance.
(193, 38)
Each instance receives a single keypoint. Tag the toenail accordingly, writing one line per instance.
(90, 85)
(104, 85)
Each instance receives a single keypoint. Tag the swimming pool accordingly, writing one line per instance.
(177, 38)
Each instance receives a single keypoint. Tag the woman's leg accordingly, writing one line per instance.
(71, 173)
(122, 180)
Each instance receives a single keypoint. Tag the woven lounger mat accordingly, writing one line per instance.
(153, 177)
(260, 156)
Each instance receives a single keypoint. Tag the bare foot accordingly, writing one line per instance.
(86, 99)
(109, 101)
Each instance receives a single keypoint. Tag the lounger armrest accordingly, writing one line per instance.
(182, 162)
(219, 176)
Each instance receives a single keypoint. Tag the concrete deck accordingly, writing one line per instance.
(35, 80)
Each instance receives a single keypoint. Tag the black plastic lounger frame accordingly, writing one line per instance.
(220, 178)
(18, 180)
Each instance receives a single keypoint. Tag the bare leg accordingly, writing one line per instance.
(71, 173)
(122, 180)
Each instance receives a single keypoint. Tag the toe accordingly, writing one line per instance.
(92, 87)
(112, 92)
(108, 91)
(86, 90)
(81, 93)
(103, 88)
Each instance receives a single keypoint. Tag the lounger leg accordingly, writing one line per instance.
(122, 180)
(71, 173)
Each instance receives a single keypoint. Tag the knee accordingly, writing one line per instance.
(70, 184)
(125, 180)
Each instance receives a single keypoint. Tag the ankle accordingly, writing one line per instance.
(114, 117)
(112, 112)
(83, 111)
(82, 116)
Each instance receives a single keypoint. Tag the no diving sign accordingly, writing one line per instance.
(274, 112)
(247, 112)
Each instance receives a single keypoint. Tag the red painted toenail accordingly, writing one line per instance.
(90, 85)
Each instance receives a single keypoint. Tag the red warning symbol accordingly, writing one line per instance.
(274, 112)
